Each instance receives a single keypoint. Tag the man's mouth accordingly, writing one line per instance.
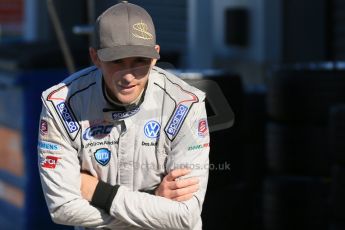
(126, 87)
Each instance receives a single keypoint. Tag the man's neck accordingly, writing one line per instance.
(114, 101)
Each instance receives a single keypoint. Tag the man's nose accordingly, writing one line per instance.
(128, 77)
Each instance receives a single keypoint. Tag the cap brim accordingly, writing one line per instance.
(120, 52)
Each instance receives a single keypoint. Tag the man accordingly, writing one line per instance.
(124, 144)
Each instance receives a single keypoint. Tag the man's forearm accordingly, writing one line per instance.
(144, 210)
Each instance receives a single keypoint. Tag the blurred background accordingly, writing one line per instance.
(279, 63)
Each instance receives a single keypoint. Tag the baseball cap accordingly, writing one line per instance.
(125, 30)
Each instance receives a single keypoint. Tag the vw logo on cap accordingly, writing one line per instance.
(151, 129)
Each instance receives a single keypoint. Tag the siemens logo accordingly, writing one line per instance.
(67, 117)
(45, 145)
(177, 119)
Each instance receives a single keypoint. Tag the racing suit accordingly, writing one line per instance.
(132, 147)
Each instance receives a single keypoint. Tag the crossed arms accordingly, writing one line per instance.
(71, 196)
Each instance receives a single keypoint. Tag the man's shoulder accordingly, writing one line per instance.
(182, 96)
(71, 84)
(175, 86)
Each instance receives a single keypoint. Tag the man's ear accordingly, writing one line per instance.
(157, 48)
(94, 57)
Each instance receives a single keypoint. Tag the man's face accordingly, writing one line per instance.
(126, 78)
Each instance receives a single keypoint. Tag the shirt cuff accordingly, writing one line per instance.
(104, 195)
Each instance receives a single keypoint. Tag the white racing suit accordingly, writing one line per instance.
(131, 147)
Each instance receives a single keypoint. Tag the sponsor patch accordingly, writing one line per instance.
(49, 162)
(177, 120)
(197, 147)
(102, 156)
(143, 143)
(202, 128)
(43, 127)
(97, 132)
(122, 115)
(100, 143)
(58, 99)
(45, 145)
(66, 115)
(151, 129)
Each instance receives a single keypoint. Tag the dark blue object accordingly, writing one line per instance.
(22, 115)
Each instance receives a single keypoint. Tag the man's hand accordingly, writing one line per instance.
(179, 190)
(88, 185)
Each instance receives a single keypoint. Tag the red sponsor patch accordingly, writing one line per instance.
(202, 128)
(206, 145)
(49, 162)
(43, 127)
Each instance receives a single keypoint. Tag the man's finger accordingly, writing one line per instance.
(176, 173)
(183, 183)
(183, 198)
(184, 191)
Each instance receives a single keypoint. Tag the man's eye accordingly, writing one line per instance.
(117, 61)
(143, 60)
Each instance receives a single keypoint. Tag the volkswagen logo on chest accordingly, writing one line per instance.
(151, 129)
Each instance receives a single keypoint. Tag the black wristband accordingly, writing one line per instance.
(104, 195)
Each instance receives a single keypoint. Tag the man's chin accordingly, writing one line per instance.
(126, 99)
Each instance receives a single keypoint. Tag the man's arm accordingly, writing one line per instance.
(170, 187)
(59, 169)
(190, 148)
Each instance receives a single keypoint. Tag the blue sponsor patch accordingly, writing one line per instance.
(177, 120)
(45, 145)
(122, 115)
(102, 156)
(97, 132)
(151, 129)
(71, 124)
